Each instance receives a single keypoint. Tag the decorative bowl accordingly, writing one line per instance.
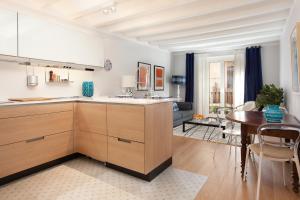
(273, 114)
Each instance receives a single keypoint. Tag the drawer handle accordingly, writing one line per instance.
(123, 140)
(35, 139)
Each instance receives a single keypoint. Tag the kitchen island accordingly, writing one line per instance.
(130, 135)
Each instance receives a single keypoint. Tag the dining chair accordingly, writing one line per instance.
(233, 131)
(274, 151)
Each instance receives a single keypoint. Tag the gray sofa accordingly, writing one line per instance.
(182, 111)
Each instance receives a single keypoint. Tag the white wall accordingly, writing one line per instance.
(13, 82)
(270, 59)
(292, 99)
(124, 55)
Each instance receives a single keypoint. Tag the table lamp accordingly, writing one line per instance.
(178, 80)
(128, 83)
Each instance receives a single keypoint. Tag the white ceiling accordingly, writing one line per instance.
(176, 25)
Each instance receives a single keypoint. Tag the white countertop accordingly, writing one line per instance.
(135, 101)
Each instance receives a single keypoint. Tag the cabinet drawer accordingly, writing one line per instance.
(91, 144)
(27, 110)
(23, 155)
(92, 117)
(25, 128)
(126, 121)
(127, 154)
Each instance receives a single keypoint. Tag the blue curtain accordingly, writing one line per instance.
(253, 73)
(189, 69)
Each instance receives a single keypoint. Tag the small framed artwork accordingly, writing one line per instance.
(295, 58)
(143, 76)
(159, 78)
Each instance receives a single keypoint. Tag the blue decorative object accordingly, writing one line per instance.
(273, 114)
(88, 88)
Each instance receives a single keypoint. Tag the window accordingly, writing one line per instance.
(221, 85)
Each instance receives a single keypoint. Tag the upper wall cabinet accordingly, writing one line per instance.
(44, 39)
(8, 32)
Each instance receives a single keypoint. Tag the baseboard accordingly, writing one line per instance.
(147, 177)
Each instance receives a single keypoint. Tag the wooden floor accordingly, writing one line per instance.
(224, 180)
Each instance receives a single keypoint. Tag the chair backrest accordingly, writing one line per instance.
(281, 128)
(222, 112)
(248, 106)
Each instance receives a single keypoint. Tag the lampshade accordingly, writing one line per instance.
(128, 81)
(178, 79)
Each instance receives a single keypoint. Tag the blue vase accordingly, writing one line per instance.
(87, 89)
(273, 114)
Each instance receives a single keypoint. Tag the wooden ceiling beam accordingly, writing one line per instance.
(188, 11)
(228, 44)
(223, 39)
(128, 10)
(226, 33)
(216, 18)
(251, 22)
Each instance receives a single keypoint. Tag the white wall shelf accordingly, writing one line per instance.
(60, 76)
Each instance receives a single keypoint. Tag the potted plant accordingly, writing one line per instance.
(269, 95)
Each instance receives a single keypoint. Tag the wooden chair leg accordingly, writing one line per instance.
(259, 177)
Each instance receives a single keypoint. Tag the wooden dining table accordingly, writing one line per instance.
(250, 121)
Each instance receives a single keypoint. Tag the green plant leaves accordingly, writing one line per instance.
(269, 95)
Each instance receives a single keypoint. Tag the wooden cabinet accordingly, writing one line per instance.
(92, 117)
(21, 111)
(49, 40)
(126, 122)
(34, 134)
(8, 32)
(29, 127)
(91, 133)
(158, 134)
(140, 137)
(92, 144)
(126, 153)
(26, 154)
(135, 137)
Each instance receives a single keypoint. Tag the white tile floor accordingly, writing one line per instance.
(86, 179)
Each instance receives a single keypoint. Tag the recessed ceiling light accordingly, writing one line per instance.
(110, 9)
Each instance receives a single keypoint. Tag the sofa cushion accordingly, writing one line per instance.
(185, 105)
(187, 114)
(177, 115)
(175, 107)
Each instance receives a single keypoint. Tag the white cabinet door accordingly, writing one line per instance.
(85, 48)
(8, 32)
(43, 39)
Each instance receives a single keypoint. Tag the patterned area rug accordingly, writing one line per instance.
(206, 133)
(86, 179)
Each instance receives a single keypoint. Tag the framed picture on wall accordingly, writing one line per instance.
(159, 78)
(295, 58)
(143, 76)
